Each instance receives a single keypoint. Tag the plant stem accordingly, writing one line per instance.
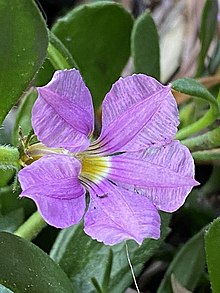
(199, 125)
(208, 140)
(207, 155)
(32, 227)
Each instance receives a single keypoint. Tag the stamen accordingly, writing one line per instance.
(38, 150)
(95, 168)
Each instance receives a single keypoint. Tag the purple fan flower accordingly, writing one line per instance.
(133, 169)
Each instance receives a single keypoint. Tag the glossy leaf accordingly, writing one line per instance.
(58, 57)
(5, 129)
(45, 73)
(83, 258)
(145, 46)
(25, 267)
(192, 87)
(98, 37)
(207, 31)
(212, 244)
(9, 201)
(23, 118)
(11, 221)
(58, 54)
(215, 60)
(5, 177)
(22, 51)
(177, 287)
(187, 266)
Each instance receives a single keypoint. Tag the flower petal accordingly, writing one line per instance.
(52, 182)
(137, 112)
(164, 174)
(115, 214)
(63, 114)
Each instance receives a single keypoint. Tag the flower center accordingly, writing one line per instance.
(94, 168)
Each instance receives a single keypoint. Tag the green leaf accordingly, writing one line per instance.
(215, 60)
(5, 177)
(25, 267)
(45, 73)
(187, 266)
(193, 88)
(207, 31)
(23, 118)
(177, 287)
(58, 54)
(83, 258)
(23, 48)
(212, 245)
(58, 57)
(9, 201)
(98, 37)
(145, 46)
(11, 221)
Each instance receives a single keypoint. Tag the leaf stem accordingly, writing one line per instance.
(199, 125)
(32, 227)
(208, 140)
(107, 274)
(207, 155)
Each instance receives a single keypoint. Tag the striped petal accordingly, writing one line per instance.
(63, 113)
(165, 174)
(52, 182)
(137, 112)
(116, 214)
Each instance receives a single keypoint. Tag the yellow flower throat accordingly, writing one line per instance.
(94, 168)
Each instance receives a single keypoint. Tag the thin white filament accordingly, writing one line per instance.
(131, 267)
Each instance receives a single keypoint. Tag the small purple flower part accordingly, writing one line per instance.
(68, 114)
(163, 177)
(52, 182)
(134, 168)
(120, 214)
(145, 110)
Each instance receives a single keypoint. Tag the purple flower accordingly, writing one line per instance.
(133, 169)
